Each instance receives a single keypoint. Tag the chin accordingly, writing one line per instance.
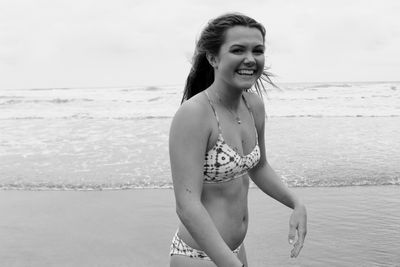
(244, 88)
(246, 85)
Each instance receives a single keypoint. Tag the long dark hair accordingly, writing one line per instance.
(201, 75)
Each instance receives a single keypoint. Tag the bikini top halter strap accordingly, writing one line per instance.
(215, 112)
(216, 115)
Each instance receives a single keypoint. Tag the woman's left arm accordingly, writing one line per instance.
(271, 184)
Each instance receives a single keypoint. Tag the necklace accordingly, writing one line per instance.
(237, 117)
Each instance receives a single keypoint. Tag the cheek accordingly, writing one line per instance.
(260, 66)
(261, 61)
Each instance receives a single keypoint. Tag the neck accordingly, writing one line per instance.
(230, 97)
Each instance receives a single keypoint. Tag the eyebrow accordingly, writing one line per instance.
(243, 46)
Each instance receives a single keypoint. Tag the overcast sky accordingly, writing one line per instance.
(74, 43)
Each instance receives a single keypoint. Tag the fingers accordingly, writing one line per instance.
(299, 244)
(292, 233)
(297, 223)
(296, 249)
(302, 234)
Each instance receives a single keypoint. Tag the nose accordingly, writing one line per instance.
(249, 59)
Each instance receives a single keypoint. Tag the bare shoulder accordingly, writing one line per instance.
(257, 105)
(191, 117)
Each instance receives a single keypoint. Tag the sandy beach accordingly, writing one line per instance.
(348, 226)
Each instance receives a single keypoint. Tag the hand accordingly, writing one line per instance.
(297, 222)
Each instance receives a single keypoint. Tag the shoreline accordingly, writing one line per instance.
(252, 187)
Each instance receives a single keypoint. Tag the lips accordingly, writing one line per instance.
(247, 72)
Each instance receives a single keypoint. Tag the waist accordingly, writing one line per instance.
(227, 208)
(233, 239)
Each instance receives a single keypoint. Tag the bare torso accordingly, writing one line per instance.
(227, 205)
(226, 202)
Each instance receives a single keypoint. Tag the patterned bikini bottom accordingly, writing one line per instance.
(178, 247)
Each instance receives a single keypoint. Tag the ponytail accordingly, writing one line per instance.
(200, 77)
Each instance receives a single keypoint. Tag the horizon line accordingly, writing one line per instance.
(182, 85)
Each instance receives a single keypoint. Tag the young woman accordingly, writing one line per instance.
(217, 144)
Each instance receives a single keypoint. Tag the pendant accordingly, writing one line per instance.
(238, 120)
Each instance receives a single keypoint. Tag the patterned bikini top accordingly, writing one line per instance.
(222, 162)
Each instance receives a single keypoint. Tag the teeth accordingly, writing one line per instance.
(245, 72)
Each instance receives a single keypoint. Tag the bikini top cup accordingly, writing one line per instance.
(222, 162)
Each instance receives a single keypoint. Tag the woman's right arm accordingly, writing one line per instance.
(187, 147)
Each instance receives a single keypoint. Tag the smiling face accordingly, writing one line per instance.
(240, 61)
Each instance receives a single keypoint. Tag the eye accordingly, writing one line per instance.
(237, 50)
(259, 51)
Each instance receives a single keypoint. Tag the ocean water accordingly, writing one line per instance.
(318, 134)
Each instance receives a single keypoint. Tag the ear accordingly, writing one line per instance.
(212, 60)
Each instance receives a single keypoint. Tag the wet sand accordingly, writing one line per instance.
(348, 226)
